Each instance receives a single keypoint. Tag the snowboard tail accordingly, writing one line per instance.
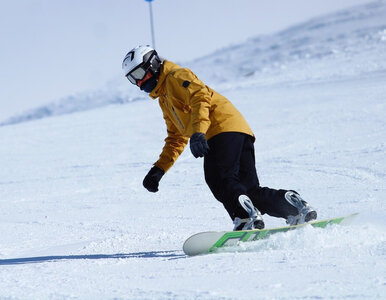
(206, 242)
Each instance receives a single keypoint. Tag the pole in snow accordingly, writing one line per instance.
(151, 22)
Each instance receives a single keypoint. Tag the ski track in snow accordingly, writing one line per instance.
(76, 222)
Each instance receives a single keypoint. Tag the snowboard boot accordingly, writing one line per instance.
(305, 212)
(255, 221)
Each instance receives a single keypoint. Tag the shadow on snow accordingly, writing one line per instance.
(175, 254)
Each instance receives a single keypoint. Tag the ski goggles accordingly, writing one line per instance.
(139, 72)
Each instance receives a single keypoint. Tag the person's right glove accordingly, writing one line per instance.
(198, 145)
(152, 179)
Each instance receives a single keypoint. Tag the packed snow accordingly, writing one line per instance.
(76, 222)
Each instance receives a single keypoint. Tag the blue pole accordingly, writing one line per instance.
(151, 22)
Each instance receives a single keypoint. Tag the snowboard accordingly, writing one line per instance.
(210, 241)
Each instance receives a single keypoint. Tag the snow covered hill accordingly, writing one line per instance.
(76, 222)
(353, 38)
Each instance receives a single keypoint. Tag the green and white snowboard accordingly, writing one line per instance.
(210, 241)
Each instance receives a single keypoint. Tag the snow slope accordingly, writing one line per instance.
(76, 222)
(353, 39)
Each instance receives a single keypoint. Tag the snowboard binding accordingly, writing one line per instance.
(255, 221)
(305, 212)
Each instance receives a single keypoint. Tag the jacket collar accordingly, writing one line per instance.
(166, 68)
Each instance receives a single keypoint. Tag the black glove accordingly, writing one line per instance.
(198, 145)
(152, 179)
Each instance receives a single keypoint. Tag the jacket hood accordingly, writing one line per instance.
(166, 68)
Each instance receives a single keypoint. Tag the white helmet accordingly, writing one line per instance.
(139, 61)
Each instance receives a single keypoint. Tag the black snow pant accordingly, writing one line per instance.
(230, 172)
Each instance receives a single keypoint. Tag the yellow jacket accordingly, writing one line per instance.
(189, 106)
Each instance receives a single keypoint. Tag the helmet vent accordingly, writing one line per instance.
(131, 55)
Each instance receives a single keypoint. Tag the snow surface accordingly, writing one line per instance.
(76, 222)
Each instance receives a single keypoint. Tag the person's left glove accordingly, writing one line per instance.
(152, 179)
(198, 145)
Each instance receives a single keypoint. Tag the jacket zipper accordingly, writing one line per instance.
(178, 119)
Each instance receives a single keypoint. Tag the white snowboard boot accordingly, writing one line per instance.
(305, 212)
(255, 221)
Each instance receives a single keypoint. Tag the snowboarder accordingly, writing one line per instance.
(218, 132)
